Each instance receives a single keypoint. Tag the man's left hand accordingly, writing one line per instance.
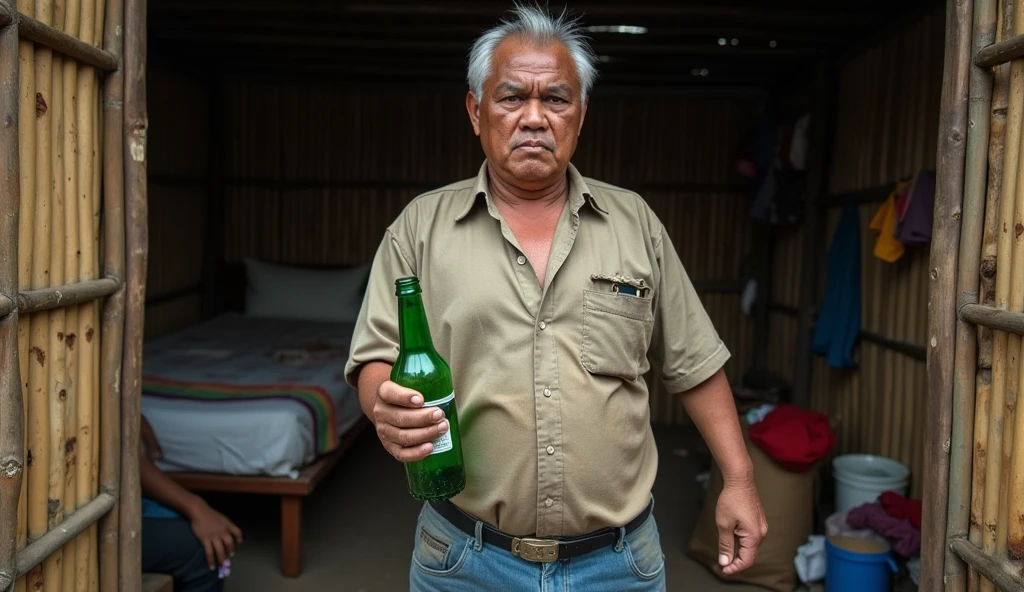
(741, 526)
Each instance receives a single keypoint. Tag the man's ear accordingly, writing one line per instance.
(473, 108)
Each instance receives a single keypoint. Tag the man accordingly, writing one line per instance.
(550, 295)
(182, 536)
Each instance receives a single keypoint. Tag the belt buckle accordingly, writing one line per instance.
(535, 550)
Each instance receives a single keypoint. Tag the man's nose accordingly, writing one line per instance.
(533, 115)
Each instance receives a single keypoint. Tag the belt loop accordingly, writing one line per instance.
(621, 539)
(478, 544)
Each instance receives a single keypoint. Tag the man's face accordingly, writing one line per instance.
(530, 113)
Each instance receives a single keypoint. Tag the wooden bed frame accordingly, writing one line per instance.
(292, 491)
(231, 295)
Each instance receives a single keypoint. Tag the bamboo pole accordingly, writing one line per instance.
(53, 566)
(137, 243)
(12, 410)
(1015, 258)
(983, 396)
(50, 35)
(942, 293)
(968, 280)
(63, 296)
(994, 478)
(1011, 512)
(78, 522)
(1001, 53)
(40, 359)
(87, 422)
(988, 268)
(994, 569)
(113, 310)
(94, 238)
(70, 81)
(26, 232)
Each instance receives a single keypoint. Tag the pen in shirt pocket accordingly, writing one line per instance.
(628, 290)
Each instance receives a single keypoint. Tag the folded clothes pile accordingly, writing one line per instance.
(894, 517)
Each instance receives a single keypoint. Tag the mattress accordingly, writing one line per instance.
(248, 396)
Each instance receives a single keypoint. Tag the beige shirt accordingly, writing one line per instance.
(549, 380)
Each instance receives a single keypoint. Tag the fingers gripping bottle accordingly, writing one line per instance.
(441, 475)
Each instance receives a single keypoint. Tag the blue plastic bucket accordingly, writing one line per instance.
(858, 565)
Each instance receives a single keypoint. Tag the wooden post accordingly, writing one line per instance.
(12, 412)
(135, 129)
(968, 279)
(819, 159)
(113, 310)
(942, 290)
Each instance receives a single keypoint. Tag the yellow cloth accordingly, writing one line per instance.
(887, 248)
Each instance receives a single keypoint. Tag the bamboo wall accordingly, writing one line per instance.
(60, 160)
(179, 139)
(886, 126)
(314, 174)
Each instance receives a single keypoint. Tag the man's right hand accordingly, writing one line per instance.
(404, 426)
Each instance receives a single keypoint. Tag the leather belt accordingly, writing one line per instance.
(537, 549)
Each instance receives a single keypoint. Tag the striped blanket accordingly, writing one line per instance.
(235, 360)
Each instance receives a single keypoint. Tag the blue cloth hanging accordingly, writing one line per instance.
(839, 319)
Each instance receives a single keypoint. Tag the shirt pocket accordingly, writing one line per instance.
(617, 330)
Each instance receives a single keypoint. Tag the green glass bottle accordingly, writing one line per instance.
(440, 475)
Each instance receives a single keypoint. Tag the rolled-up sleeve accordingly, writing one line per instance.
(685, 348)
(375, 336)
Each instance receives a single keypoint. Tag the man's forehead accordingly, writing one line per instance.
(515, 61)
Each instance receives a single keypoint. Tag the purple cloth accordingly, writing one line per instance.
(905, 538)
(916, 226)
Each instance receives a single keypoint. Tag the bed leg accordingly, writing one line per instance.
(291, 535)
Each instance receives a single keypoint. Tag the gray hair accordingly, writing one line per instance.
(533, 24)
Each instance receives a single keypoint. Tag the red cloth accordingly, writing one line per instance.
(898, 506)
(795, 438)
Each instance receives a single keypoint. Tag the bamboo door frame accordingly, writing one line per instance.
(120, 289)
(952, 558)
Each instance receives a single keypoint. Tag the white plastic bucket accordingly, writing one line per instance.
(861, 478)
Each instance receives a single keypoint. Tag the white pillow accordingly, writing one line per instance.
(289, 292)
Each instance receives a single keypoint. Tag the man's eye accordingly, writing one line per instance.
(557, 100)
(510, 99)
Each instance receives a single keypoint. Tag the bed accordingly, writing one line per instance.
(254, 400)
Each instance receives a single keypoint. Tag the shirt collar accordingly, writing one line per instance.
(579, 193)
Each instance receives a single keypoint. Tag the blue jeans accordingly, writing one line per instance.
(446, 559)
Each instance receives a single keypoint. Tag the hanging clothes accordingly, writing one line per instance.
(838, 324)
(915, 225)
(887, 248)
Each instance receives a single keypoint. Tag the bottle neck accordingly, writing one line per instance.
(413, 330)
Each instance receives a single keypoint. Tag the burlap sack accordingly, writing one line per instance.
(788, 500)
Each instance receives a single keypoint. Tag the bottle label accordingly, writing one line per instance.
(444, 442)
(440, 402)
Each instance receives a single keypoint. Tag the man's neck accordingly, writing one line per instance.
(507, 196)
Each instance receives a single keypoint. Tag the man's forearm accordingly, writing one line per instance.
(158, 486)
(713, 411)
(372, 375)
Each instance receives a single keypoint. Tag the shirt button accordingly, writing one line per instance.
(547, 392)
(548, 502)
(521, 259)
(543, 325)
(551, 449)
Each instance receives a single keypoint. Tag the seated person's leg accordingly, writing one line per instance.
(170, 547)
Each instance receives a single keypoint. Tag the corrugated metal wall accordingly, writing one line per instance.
(886, 131)
(179, 138)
